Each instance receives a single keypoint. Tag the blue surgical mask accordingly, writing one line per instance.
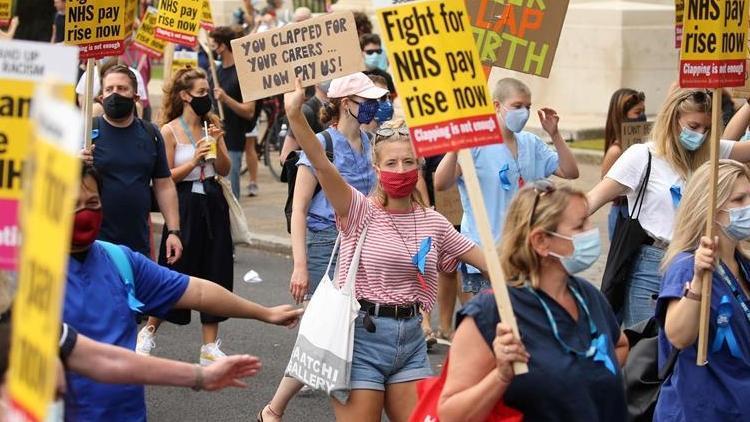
(586, 250)
(515, 119)
(376, 61)
(366, 113)
(691, 140)
(385, 111)
(739, 223)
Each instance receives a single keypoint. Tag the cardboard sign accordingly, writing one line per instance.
(207, 18)
(679, 13)
(53, 183)
(6, 12)
(743, 91)
(183, 59)
(634, 133)
(316, 50)
(145, 39)
(519, 35)
(714, 44)
(178, 21)
(448, 203)
(439, 76)
(377, 4)
(23, 64)
(97, 27)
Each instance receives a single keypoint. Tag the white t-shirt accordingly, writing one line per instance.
(81, 87)
(659, 204)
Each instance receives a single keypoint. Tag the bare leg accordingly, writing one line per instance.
(251, 158)
(287, 389)
(153, 321)
(400, 400)
(210, 332)
(362, 406)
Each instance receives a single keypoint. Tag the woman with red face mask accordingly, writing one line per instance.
(389, 352)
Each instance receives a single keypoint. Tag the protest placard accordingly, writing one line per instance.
(679, 13)
(743, 91)
(377, 4)
(145, 39)
(714, 44)
(6, 12)
(183, 58)
(178, 21)
(519, 35)
(439, 78)
(49, 198)
(22, 65)
(207, 18)
(316, 50)
(131, 13)
(634, 133)
(448, 204)
(97, 27)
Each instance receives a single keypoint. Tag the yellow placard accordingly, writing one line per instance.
(53, 183)
(97, 27)
(439, 76)
(6, 12)
(131, 13)
(714, 43)
(145, 39)
(22, 65)
(178, 21)
(183, 59)
(207, 18)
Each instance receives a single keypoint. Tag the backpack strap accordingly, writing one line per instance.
(124, 267)
(329, 144)
(94, 128)
(150, 129)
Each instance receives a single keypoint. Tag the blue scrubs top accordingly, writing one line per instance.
(719, 391)
(96, 306)
(559, 386)
(535, 161)
(356, 169)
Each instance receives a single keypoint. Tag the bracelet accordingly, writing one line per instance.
(175, 232)
(198, 378)
(691, 294)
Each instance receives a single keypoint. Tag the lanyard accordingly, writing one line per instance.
(189, 134)
(734, 288)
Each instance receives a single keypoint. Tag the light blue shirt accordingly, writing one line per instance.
(535, 161)
(355, 167)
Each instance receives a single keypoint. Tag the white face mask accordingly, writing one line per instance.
(739, 223)
(586, 250)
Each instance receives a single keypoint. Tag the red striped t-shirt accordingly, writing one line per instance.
(386, 273)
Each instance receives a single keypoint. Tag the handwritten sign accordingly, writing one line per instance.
(178, 21)
(714, 44)
(519, 35)
(97, 27)
(23, 64)
(448, 204)
(315, 50)
(6, 12)
(634, 133)
(439, 76)
(207, 19)
(54, 176)
(145, 39)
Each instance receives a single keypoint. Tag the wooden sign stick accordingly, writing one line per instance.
(488, 247)
(705, 310)
(168, 58)
(88, 102)
(203, 40)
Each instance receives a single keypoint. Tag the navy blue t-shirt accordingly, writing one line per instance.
(96, 305)
(128, 159)
(559, 386)
(719, 391)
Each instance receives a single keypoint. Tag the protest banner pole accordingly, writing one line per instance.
(168, 57)
(88, 107)
(705, 309)
(491, 258)
(202, 39)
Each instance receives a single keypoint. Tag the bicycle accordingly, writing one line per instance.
(272, 124)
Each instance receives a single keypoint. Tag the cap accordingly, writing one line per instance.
(355, 84)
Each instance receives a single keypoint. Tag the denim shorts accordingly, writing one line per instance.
(643, 285)
(319, 247)
(474, 282)
(396, 352)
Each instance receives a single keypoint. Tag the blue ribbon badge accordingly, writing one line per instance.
(676, 192)
(420, 259)
(724, 330)
(133, 303)
(504, 181)
(600, 351)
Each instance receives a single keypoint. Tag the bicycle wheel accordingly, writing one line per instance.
(271, 152)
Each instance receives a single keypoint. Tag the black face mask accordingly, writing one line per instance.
(200, 105)
(118, 107)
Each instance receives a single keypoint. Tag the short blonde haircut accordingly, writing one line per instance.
(378, 143)
(666, 132)
(690, 221)
(518, 258)
(507, 87)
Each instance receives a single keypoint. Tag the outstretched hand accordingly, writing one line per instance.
(285, 315)
(228, 371)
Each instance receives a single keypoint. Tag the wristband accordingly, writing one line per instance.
(198, 378)
(174, 232)
(691, 294)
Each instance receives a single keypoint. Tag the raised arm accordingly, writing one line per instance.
(738, 124)
(567, 167)
(604, 191)
(338, 192)
(447, 172)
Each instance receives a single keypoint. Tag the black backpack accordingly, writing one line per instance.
(289, 176)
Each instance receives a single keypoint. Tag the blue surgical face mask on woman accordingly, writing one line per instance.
(586, 250)
(516, 118)
(739, 223)
(376, 61)
(691, 140)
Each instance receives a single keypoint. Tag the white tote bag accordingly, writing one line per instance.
(322, 356)
(237, 219)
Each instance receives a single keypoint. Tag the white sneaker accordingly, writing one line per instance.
(145, 340)
(210, 353)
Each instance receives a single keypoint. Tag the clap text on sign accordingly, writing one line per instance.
(710, 10)
(85, 13)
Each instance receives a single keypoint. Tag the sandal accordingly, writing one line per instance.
(270, 410)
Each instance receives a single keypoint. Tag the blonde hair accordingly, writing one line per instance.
(173, 105)
(518, 258)
(378, 142)
(666, 131)
(506, 87)
(690, 221)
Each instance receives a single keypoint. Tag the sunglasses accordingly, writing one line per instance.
(375, 51)
(387, 132)
(634, 100)
(541, 188)
(700, 96)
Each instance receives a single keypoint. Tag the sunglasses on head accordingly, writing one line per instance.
(700, 96)
(633, 100)
(387, 132)
(541, 188)
(374, 51)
